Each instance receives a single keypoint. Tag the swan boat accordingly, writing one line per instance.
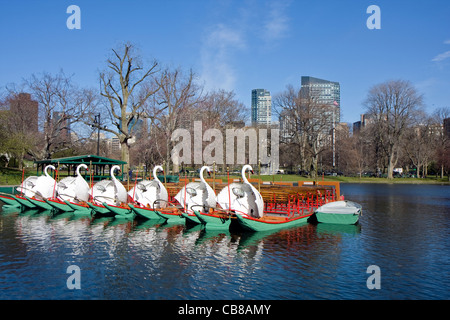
(148, 197)
(339, 212)
(234, 199)
(45, 194)
(271, 209)
(198, 195)
(109, 197)
(71, 194)
(35, 190)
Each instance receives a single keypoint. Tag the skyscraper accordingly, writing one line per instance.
(328, 94)
(325, 92)
(261, 107)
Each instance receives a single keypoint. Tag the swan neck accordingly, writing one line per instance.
(155, 174)
(112, 173)
(201, 175)
(244, 178)
(46, 172)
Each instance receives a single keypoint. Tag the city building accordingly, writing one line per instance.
(358, 125)
(287, 127)
(61, 126)
(261, 107)
(447, 127)
(325, 92)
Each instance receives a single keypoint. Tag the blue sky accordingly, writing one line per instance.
(240, 45)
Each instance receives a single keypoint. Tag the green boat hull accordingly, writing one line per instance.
(100, 210)
(170, 217)
(116, 210)
(79, 209)
(61, 206)
(40, 204)
(213, 222)
(335, 218)
(9, 200)
(192, 219)
(255, 225)
(25, 203)
(145, 213)
(7, 208)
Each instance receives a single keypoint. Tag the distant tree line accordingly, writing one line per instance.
(397, 133)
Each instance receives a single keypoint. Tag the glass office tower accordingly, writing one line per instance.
(261, 107)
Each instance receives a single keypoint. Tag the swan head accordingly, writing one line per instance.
(114, 168)
(47, 167)
(82, 165)
(247, 167)
(156, 169)
(207, 168)
(244, 169)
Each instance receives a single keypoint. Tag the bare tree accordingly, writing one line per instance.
(418, 143)
(168, 110)
(442, 151)
(393, 106)
(61, 105)
(221, 108)
(307, 125)
(17, 135)
(126, 85)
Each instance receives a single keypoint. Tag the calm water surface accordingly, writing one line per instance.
(405, 230)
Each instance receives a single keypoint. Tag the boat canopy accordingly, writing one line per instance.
(100, 166)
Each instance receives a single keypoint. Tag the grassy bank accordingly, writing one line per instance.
(10, 176)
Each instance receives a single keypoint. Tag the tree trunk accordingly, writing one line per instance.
(390, 166)
(125, 155)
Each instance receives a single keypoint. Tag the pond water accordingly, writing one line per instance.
(404, 231)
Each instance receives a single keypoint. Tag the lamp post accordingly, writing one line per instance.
(97, 123)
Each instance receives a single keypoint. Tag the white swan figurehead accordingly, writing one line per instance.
(45, 184)
(119, 189)
(198, 194)
(109, 191)
(243, 198)
(146, 192)
(74, 189)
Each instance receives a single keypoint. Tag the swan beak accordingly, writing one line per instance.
(252, 171)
